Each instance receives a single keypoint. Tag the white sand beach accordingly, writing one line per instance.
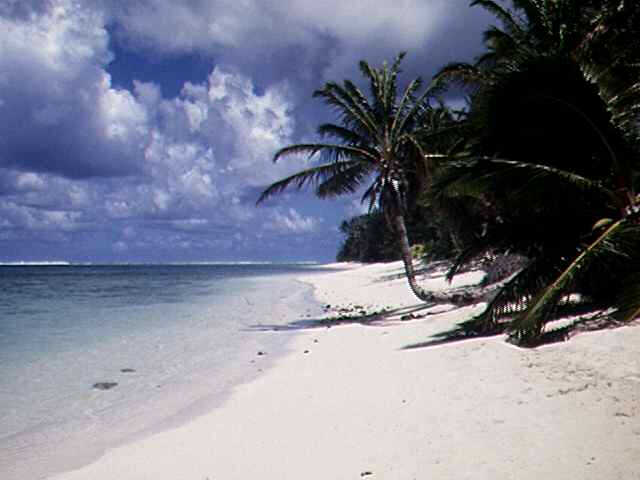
(373, 401)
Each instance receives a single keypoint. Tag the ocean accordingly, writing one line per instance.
(165, 343)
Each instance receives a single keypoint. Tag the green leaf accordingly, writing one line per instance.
(628, 301)
(603, 222)
(529, 325)
(312, 175)
(336, 151)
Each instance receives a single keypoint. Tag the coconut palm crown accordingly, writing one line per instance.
(378, 144)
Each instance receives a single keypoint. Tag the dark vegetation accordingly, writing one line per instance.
(369, 238)
(543, 164)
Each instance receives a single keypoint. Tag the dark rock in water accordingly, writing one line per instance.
(366, 474)
(104, 385)
(127, 370)
(261, 353)
(306, 351)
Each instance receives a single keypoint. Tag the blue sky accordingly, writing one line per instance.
(143, 130)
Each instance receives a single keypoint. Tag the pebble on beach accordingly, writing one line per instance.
(104, 385)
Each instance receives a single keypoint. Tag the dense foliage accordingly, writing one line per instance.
(544, 163)
(552, 150)
(370, 238)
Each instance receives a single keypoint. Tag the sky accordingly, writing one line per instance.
(144, 130)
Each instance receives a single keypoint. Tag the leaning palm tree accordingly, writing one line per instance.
(378, 143)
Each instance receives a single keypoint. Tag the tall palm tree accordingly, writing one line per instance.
(379, 141)
(554, 148)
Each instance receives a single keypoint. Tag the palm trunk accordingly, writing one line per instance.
(458, 298)
(407, 258)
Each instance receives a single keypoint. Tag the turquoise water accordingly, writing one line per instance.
(184, 336)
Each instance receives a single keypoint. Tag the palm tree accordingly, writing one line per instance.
(380, 141)
(554, 150)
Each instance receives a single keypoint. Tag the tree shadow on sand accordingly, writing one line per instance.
(577, 318)
(436, 269)
(348, 317)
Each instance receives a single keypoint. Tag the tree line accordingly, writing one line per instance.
(543, 162)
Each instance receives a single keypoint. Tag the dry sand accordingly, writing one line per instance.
(368, 401)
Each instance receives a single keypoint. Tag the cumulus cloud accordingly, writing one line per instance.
(88, 157)
(334, 33)
(291, 221)
(253, 24)
(59, 113)
(103, 167)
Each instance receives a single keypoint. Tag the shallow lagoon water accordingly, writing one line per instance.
(175, 339)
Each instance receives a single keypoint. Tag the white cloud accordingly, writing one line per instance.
(80, 154)
(120, 246)
(37, 219)
(254, 24)
(30, 181)
(56, 89)
(291, 221)
(186, 159)
(122, 115)
(260, 124)
(300, 35)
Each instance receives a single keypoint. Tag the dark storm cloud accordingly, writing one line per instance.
(66, 140)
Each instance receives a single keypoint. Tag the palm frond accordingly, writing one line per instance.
(346, 180)
(500, 42)
(462, 74)
(372, 74)
(313, 175)
(390, 84)
(335, 151)
(418, 105)
(629, 97)
(464, 257)
(516, 294)
(340, 133)
(428, 133)
(460, 178)
(371, 194)
(351, 113)
(488, 60)
(507, 19)
(528, 326)
(407, 96)
(628, 301)
(543, 172)
(534, 12)
(360, 100)
(477, 176)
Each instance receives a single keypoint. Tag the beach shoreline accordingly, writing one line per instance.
(125, 417)
(376, 400)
